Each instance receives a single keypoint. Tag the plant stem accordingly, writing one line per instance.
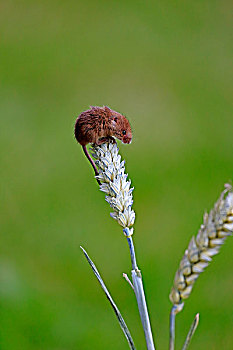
(172, 328)
(140, 295)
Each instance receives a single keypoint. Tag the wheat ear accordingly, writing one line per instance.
(113, 181)
(217, 225)
(211, 236)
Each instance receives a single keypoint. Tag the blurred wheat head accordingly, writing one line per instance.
(217, 225)
(115, 184)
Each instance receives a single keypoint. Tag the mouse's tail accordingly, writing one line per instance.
(92, 162)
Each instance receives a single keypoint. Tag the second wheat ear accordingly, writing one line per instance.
(216, 227)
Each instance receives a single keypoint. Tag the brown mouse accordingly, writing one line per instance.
(98, 125)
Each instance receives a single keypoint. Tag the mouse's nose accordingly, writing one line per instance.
(127, 139)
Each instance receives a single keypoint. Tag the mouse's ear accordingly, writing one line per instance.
(93, 109)
(107, 109)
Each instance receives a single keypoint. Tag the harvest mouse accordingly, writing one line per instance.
(99, 125)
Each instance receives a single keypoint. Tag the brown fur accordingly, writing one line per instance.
(98, 124)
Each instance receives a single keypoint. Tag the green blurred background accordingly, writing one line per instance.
(167, 66)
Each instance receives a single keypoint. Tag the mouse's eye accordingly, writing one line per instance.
(124, 132)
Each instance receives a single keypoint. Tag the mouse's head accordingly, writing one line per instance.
(120, 126)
